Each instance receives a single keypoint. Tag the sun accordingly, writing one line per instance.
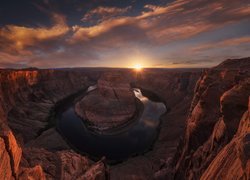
(137, 67)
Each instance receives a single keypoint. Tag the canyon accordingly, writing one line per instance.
(204, 134)
(111, 105)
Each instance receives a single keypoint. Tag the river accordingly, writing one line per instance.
(135, 139)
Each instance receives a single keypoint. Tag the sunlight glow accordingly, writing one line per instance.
(138, 67)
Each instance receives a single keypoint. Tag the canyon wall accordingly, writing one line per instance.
(27, 97)
(204, 134)
(175, 87)
(214, 145)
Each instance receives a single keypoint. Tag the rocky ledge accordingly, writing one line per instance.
(111, 105)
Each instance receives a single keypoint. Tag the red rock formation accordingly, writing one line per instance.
(30, 95)
(26, 99)
(6, 172)
(221, 98)
(63, 164)
(31, 173)
(11, 152)
(233, 161)
(113, 103)
(10, 155)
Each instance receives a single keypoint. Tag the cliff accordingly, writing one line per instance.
(204, 135)
(28, 96)
(233, 161)
(175, 88)
(26, 100)
(220, 100)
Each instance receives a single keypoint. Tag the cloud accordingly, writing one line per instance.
(103, 13)
(174, 21)
(223, 43)
(16, 39)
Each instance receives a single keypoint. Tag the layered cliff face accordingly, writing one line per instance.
(221, 99)
(111, 105)
(34, 163)
(28, 96)
(233, 161)
(175, 88)
(26, 100)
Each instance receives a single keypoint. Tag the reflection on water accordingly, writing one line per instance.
(91, 88)
(136, 139)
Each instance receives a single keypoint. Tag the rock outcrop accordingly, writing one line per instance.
(221, 98)
(34, 163)
(110, 106)
(10, 156)
(63, 164)
(233, 161)
(26, 99)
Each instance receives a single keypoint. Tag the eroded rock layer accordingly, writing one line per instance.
(111, 105)
(26, 100)
(213, 132)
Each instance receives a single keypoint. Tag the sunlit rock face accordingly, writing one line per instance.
(220, 101)
(112, 104)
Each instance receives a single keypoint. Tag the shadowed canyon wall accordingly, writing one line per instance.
(26, 100)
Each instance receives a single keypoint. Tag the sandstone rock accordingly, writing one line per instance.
(115, 86)
(62, 164)
(111, 105)
(95, 172)
(29, 95)
(31, 173)
(5, 166)
(11, 147)
(50, 140)
(72, 165)
(233, 161)
(47, 160)
(220, 100)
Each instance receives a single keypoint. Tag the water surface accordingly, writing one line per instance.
(134, 139)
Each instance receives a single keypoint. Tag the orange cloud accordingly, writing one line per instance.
(86, 33)
(171, 22)
(16, 38)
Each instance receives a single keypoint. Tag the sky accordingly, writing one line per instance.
(112, 33)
